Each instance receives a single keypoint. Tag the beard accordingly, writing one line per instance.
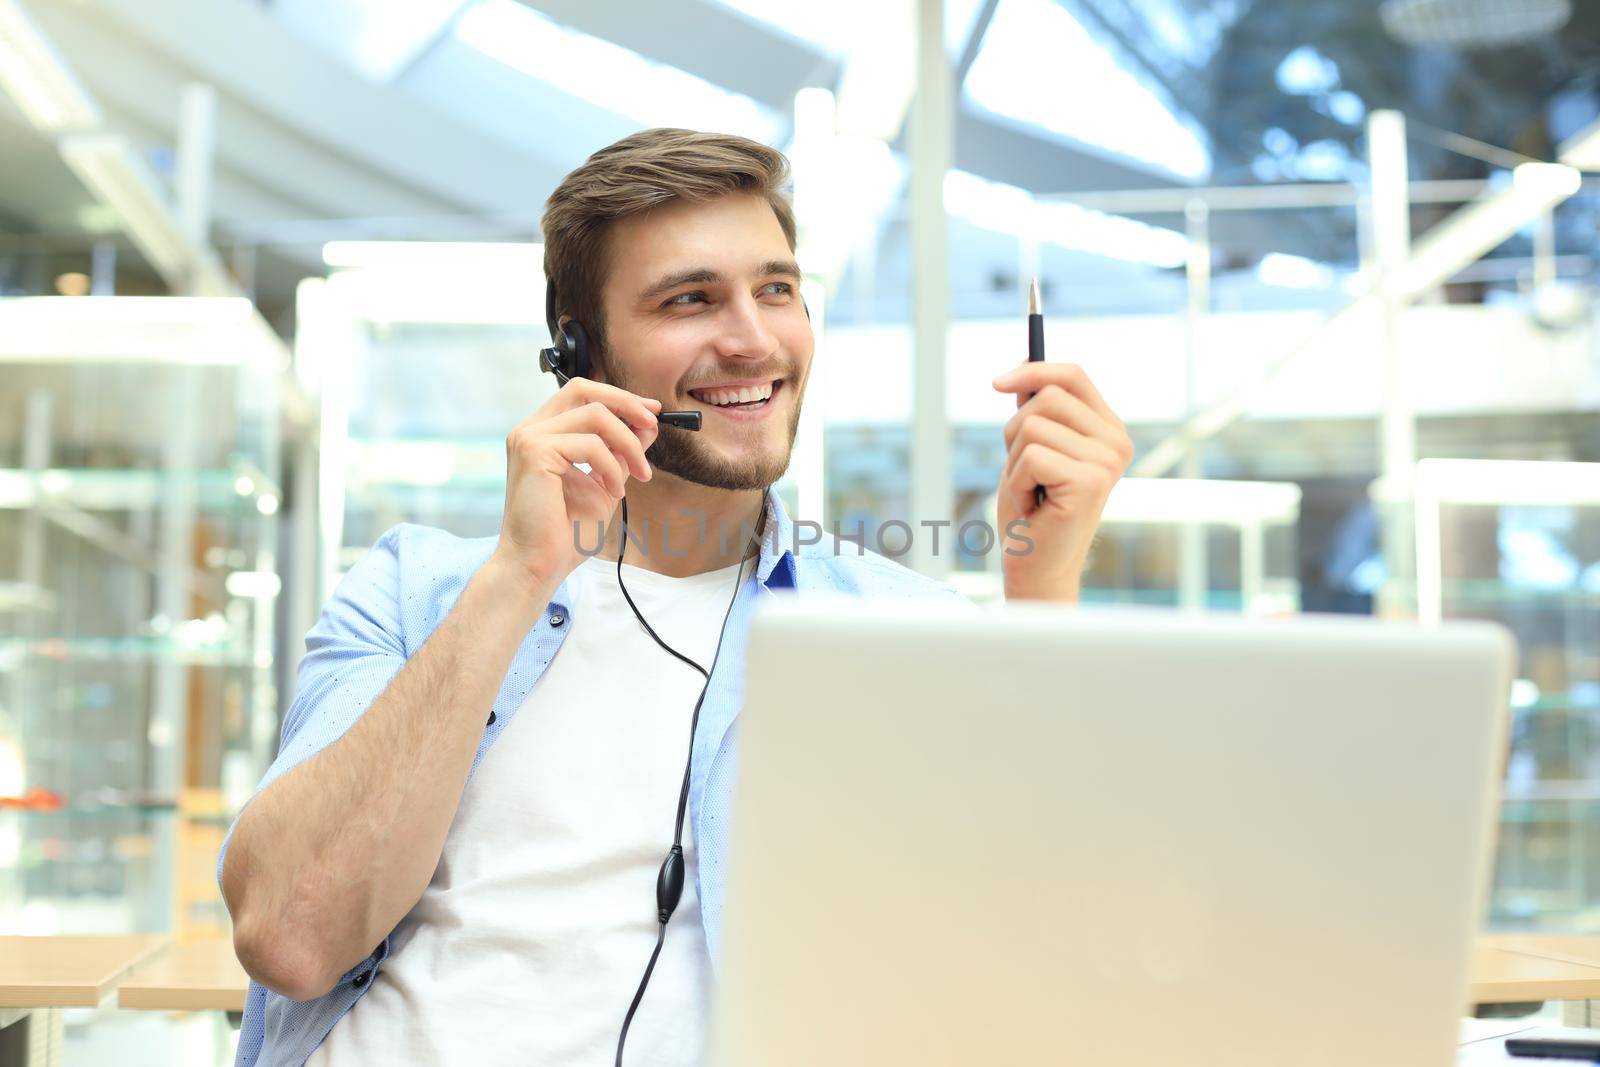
(680, 453)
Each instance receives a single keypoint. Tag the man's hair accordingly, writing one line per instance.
(636, 174)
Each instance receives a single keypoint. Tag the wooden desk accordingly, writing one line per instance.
(68, 972)
(41, 975)
(1568, 948)
(1502, 975)
(1513, 967)
(205, 976)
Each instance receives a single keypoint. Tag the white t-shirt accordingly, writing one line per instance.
(527, 946)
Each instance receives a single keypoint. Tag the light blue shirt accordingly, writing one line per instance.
(390, 602)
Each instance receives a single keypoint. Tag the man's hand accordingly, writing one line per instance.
(1068, 440)
(549, 499)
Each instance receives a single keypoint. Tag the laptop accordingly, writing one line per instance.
(1106, 837)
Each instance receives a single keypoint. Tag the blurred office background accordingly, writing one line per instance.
(270, 283)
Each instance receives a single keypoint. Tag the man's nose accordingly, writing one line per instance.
(745, 333)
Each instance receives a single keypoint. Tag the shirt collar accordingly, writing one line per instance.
(775, 566)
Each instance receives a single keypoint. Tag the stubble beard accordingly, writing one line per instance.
(680, 453)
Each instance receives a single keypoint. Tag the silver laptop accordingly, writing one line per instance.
(1104, 838)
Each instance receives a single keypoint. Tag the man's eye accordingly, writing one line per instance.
(780, 288)
(685, 299)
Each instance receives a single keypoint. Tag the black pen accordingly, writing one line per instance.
(1035, 351)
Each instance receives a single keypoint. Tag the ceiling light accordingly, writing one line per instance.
(1472, 23)
(34, 75)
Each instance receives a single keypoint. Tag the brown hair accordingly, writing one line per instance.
(640, 172)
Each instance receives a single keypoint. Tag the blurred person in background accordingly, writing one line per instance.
(454, 857)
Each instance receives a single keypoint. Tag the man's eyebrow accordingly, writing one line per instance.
(697, 275)
(705, 276)
(780, 266)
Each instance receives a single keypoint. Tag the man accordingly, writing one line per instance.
(453, 858)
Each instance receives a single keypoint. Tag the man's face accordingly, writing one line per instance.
(702, 301)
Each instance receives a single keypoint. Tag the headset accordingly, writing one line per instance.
(568, 358)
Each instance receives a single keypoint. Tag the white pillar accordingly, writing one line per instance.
(197, 127)
(1391, 243)
(1194, 577)
(813, 158)
(1252, 566)
(179, 508)
(932, 112)
(103, 269)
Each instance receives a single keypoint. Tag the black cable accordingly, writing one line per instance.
(622, 1038)
(669, 883)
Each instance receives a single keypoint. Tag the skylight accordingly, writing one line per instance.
(834, 26)
(1188, 32)
(1009, 209)
(378, 37)
(1039, 65)
(608, 75)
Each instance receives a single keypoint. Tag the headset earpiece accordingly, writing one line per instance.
(575, 345)
(568, 354)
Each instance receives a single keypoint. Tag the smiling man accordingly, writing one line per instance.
(494, 742)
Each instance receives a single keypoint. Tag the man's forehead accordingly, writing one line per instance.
(731, 235)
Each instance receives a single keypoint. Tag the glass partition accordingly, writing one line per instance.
(1518, 543)
(139, 501)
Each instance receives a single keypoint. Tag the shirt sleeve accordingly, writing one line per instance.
(352, 654)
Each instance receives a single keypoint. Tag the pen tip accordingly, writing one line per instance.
(1034, 304)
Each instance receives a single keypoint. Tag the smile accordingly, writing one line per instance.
(747, 399)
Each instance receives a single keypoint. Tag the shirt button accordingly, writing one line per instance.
(491, 718)
(557, 619)
(360, 980)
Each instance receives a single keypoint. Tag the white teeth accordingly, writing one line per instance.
(743, 395)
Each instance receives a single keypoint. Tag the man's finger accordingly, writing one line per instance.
(1060, 439)
(627, 443)
(1031, 377)
(1059, 405)
(637, 411)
